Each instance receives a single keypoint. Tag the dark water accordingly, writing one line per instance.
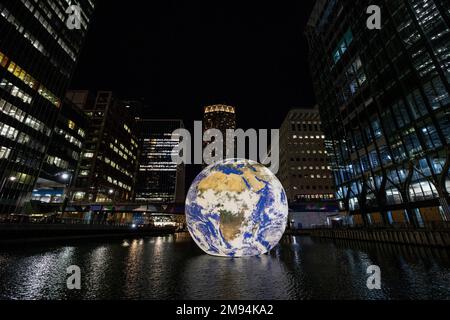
(174, 268)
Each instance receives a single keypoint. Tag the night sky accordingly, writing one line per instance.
(182, 55)
(179, 56)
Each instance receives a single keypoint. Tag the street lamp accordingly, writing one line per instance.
(113, 194)
(11, 179)
(67, 178)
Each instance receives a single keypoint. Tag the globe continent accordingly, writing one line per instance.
(236, 208)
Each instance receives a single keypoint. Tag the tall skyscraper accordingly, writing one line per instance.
(304, 169)
(159, 180)
(384, 102)
(38, 54)
(108, 165)
(220, 117)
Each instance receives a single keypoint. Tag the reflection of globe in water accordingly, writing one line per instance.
(236, 208)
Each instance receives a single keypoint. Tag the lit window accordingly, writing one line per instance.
(84, 173)
(4, 152)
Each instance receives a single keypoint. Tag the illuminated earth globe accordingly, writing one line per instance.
(236, 208)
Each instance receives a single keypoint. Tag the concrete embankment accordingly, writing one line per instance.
(433, 238)
(10, 234)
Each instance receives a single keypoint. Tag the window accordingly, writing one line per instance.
(22, 75)
(416, 104)
(71, 125)
(84, 173)
(436, 93)
(8, 131)
(412, 143)
(401, 114)
(444, 124)
(4, 152)
(356, 76)
(15, 91)
(431, 136)
(24, 178)
(376, 128)
(11, 110)
(82, 133)
(343, 46)
(3, 60)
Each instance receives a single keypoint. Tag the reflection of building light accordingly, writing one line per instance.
(165, 224)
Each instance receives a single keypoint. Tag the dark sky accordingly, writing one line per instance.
(182, 55)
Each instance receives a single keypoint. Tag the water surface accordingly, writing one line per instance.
(173, 267)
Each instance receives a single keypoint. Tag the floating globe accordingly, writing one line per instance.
(236, 208)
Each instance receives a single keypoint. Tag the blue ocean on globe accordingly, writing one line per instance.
(236, 208)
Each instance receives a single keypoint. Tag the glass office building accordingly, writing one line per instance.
(384, 102)
(63, 155)
(38, 54)
(159, 180)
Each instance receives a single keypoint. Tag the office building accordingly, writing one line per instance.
(63, 155)
(38, 55)
(222, 118)
(385, 106)
(159, 180)
(304, 169)
(108, 165)
(219, 117)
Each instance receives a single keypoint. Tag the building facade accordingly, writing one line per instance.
(222, 118)
(108, 165)
(63, 155)
(304, 169)
(384, 102)
(219, 117)
(38, 55)
(159, 180)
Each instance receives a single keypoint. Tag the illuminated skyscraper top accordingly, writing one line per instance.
(219, 117)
